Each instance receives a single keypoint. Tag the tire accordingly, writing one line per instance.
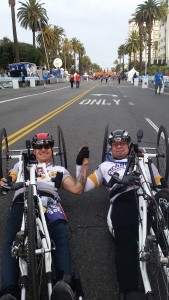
(163, 153)
(4, 153)
(104, 151)
(159, 219)
(33, 280)
(62, 148)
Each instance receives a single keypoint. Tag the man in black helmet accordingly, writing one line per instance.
(124, 215)
(42, 144)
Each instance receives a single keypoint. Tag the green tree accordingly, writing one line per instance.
(149, 12)
(121, 53)
(12, 5)
(75, 44)
(46, 41)
(66, 50)
(81, 52)
(27, 53)
(87, 64)
(30, 14)
(132, 46)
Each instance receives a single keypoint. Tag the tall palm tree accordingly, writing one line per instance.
(151, 10)
(59, 34)
(46, 40)
(133, 44)
(16, 45)
(75, 44)
(67, 49)
(121, 53)
(30, 14)
(81, 52)
(139, 20)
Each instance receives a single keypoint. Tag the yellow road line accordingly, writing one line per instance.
(27, 129)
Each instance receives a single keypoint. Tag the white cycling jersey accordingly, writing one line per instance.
(42, 183)
(105, 170)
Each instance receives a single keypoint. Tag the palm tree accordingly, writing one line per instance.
(121, 53)
(81, 51)
(149, 12)
(59, 34)
(139, 20)
(132, 45)
(67, 49)
(30, 14)
(75, 44)
(46, 40)
(16, 45)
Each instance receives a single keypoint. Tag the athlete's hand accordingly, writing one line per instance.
(83, 153)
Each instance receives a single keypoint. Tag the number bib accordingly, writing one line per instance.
(55, 212)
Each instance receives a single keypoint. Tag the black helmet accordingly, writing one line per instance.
(119, 135)
(42, 138)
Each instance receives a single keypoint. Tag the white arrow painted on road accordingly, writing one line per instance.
(104, 94)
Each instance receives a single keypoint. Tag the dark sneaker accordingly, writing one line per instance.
(7, 297)
(62, 291)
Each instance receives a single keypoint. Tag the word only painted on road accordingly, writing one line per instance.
(98, 102)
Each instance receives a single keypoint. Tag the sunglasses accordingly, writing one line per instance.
(41, 144)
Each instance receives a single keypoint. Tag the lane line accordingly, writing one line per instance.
(152, 124)
(30, 127)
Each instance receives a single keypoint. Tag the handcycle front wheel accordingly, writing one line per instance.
(163, 152)
(4, 153)
(105, 139)
(62, 148)
(33, 280)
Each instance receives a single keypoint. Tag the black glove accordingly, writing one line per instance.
(83, 153)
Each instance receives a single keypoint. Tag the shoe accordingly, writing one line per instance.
(133, 296)
(62, 291)
(7, 297)
(155, 92)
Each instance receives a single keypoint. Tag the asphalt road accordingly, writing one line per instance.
(83, 114)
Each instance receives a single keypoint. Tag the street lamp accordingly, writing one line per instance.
(39, 20)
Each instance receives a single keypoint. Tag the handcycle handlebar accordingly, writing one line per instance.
(13, 186)
(126, 180)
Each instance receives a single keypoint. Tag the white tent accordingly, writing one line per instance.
(131, 73)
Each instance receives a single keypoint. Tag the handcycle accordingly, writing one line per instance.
(32, 245)
(153, 208)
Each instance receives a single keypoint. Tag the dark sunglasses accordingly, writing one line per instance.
(40, 145)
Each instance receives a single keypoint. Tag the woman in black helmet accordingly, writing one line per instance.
(124, 213)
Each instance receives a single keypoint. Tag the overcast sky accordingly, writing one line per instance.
(100, 25)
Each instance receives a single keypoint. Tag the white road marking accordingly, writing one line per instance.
(104, 95)
(13, 99)
(152, 124)
(116, 101)
(131, 103)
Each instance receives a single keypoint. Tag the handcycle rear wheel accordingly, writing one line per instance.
(159, 215)
(4, 153)
(104, 151)
(62, 148)
(163, 153)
